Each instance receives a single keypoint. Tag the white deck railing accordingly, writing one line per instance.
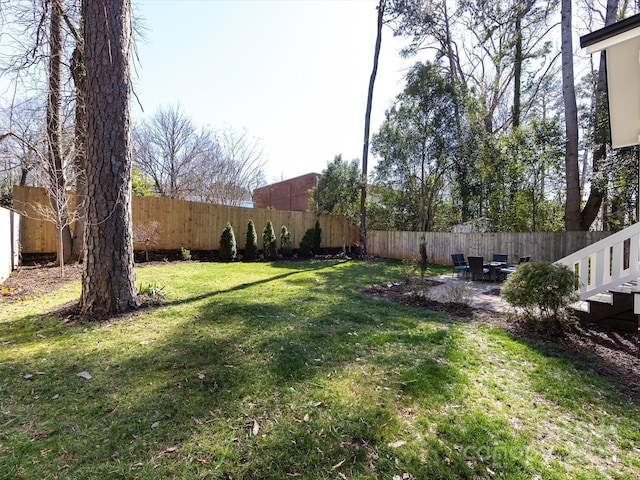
(608, 263)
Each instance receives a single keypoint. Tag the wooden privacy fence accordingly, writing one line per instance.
(541, 246)
(183, 224)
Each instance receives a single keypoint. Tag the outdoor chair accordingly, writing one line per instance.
(500, 257)
(508, 270)
(460, 265)
(476, 267)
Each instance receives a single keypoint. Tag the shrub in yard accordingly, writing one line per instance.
(423, 259)
(269, 242)
(227, 244)
(285, 241)
(185, 254)
(543, 290)
(251, 243)
(306, 244)
(317, 236)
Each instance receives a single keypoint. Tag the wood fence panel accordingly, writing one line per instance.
(540, 246)
(191, 225)
(198, 226)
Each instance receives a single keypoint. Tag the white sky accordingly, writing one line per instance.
(295, 73)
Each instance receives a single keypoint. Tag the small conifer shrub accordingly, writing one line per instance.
(317, 236)
(269, 242)
(285, 241)
(310, 243)
(423, 259)
(251, 243)
(227, 244)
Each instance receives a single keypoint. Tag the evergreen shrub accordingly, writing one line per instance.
(228, 244)
(251, 242)
(269, 242)
(285, 241)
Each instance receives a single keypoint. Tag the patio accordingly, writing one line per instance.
(478, 294)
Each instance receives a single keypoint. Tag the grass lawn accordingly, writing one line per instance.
(275, 371)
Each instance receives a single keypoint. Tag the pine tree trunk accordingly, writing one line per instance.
(54, 134)
(600, 134)
(108, 280)
(367, 126)
(78, 74)
(572, 206)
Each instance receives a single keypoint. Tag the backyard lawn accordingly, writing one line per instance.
(286, 370)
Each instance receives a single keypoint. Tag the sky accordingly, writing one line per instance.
(294, 73)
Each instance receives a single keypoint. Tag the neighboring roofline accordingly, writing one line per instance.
(288, 180)
(610, 31)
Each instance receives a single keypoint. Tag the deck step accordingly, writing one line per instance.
(612, 309)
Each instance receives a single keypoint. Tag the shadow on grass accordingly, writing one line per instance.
(251, 384)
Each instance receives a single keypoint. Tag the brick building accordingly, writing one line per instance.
(292, 194)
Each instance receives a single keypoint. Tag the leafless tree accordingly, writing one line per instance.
(168, 149)
(188, 163)
(240, 169)
(147, 234)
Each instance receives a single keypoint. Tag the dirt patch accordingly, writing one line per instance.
(35, 280)
(608, 352)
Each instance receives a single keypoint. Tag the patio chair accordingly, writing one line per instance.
(500, 257)
(460, 265)
(476, 267)
(508, 270)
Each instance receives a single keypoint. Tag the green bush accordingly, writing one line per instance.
(543, 290)
(185, 254)
(285, 241)
(269, 243)
(228, 244)
(423, 259)
(311, 240)
(251, 243)
(317, 236)
(306, 244)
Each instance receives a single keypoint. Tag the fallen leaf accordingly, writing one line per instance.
(155, 424)
(85, 375)
(337, 465)
(397, 444)
(201, 376)
(28, 376)
(306, 417)
(256, 428)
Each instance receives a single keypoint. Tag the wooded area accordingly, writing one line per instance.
(183, 224)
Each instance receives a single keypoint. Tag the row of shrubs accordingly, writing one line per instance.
(309, 245)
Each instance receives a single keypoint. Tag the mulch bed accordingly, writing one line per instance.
(611, 353)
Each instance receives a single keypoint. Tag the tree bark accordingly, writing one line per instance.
(78, 73)
(601, 134)
(54, 135)
(572, 219)
(108, 280)
(367, 126)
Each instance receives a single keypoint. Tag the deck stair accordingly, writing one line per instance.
(608, 274)
(611, 309)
